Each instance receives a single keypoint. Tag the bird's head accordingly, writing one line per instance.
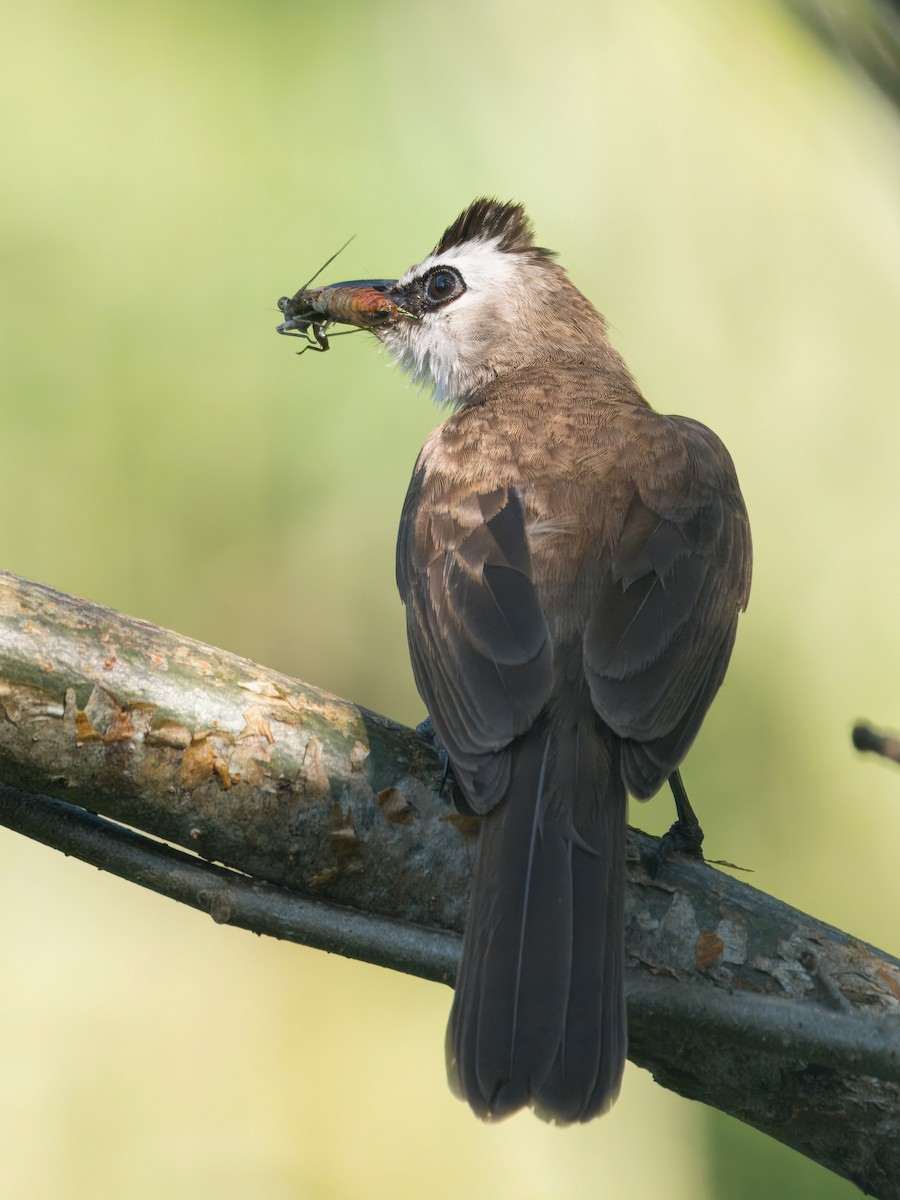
(486, 301)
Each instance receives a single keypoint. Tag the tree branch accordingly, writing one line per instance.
(867, 738)
(229, 897)
(328, 822)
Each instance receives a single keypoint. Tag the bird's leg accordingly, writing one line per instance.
(685, 836)
(426, 730)
(686, 832)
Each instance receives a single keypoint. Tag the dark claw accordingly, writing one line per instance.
(426, 730)
(684, 837)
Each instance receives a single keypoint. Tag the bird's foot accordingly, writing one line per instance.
(448, 786)
(685, 836)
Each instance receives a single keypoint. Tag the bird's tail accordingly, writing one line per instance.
(538, 1016)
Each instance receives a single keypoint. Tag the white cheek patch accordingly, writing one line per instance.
(430, 357)
(448, 346)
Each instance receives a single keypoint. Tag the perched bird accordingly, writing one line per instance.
(573, 564)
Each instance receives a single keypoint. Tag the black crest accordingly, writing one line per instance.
(486, 220)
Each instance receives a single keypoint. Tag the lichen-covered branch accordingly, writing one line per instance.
(240, 764)
(330, 829)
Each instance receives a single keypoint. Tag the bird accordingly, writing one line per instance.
(572, 565)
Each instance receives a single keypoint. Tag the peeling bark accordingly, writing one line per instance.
(332, 816)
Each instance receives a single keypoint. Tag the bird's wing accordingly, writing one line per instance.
(479, 643)
(663, 621)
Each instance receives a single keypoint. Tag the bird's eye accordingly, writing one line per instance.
(443, 284)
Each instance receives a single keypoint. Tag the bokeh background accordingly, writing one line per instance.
(727, 192)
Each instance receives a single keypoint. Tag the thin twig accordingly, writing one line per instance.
(885, 744)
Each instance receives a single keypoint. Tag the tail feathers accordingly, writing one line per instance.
(538, 1017)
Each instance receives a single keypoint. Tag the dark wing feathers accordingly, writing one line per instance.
(479, 642)
(662, 627)
(657, 638)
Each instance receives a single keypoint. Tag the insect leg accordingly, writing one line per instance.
(316, 339)
(318, 330)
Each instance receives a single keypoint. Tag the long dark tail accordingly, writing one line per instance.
(538, 1016)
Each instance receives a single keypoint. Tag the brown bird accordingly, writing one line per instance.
(573, 564)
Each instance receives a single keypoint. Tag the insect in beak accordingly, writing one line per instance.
(362, 303)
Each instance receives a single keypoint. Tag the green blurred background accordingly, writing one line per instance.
(728, 195)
